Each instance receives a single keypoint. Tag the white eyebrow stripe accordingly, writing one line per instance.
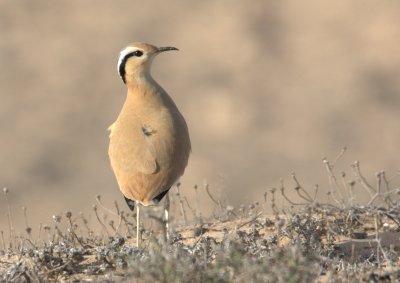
(125, 52)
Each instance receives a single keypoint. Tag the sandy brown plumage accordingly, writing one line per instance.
(149, 142)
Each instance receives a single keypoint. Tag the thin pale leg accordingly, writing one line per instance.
(138, 234)
(166, 215)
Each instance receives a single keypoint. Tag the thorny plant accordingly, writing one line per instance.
(240, 244)
(341, 190)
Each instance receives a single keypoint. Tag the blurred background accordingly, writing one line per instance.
(267, 88)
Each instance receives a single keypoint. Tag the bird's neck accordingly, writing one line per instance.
(141, 86)
(138, 79)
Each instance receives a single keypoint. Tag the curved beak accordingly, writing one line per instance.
(168, 48)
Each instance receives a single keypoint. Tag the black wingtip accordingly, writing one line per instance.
(130, 203)
(159, 197)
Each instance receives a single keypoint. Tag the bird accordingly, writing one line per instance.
(149, 143)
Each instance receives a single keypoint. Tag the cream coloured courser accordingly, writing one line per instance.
(149, 142)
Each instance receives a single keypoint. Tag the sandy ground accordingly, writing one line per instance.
(355, 249)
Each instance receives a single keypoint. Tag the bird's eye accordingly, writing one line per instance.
(138, 53)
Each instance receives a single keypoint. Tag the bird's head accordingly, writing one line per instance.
(135, 60)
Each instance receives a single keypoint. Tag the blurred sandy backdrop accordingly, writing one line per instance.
(267, 87)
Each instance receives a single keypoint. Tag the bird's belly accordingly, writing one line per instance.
(145, 166)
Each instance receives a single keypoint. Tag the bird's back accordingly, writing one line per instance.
(149, 144)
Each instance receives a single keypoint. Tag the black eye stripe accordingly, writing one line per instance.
(121, 68)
